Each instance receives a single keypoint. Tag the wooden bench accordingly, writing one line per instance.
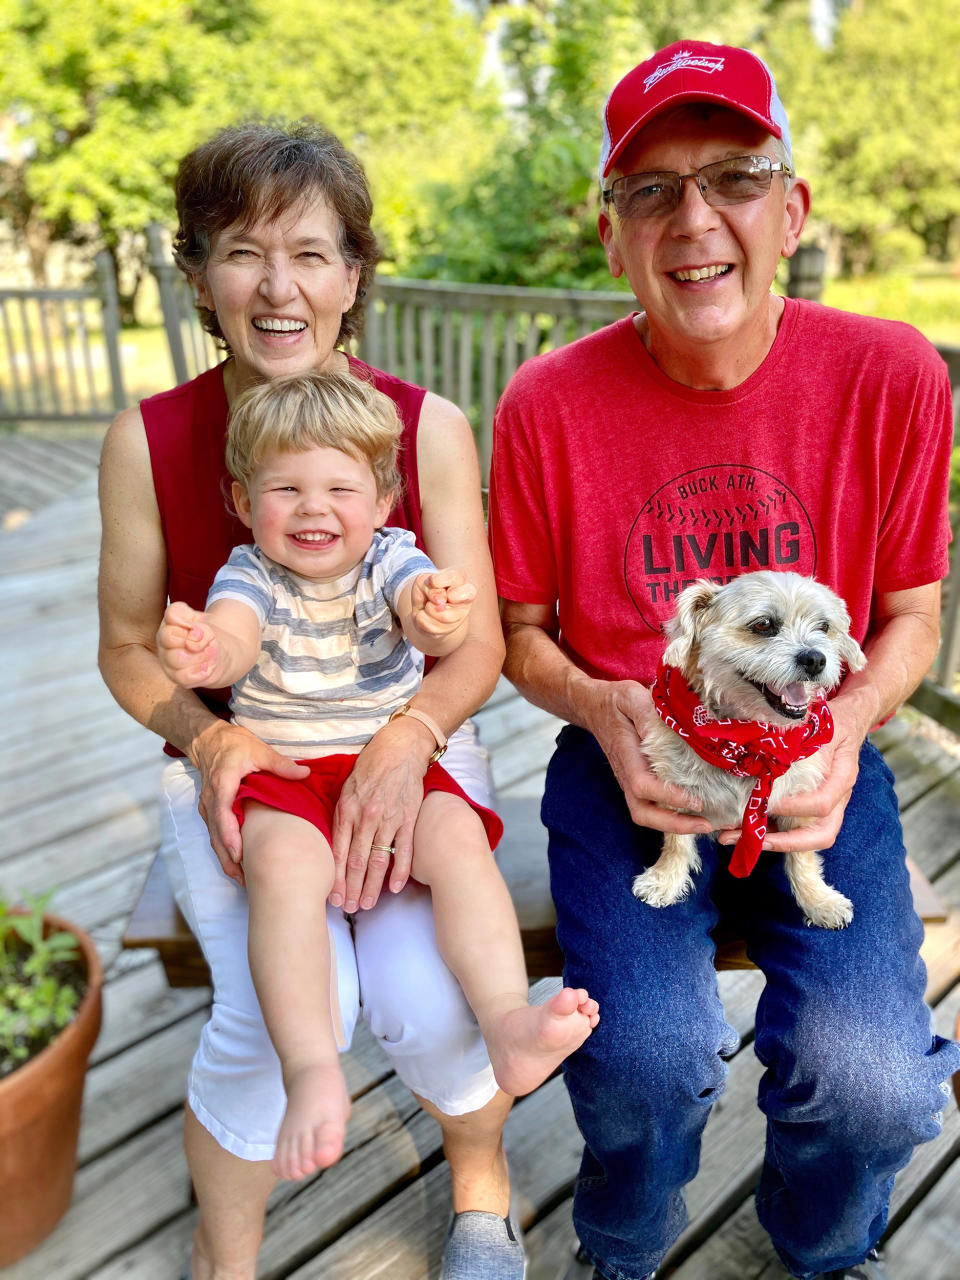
(157, 923)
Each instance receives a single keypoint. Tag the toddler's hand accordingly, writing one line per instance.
(186, 645)
(441, 601)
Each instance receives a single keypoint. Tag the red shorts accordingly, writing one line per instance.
(315, 797)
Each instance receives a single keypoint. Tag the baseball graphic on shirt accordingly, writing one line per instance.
(713, 522)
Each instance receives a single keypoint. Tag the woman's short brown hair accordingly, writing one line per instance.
(303, 411)
(260, 169)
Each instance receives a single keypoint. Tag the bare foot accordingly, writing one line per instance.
(311, 1136)
(526, 1044)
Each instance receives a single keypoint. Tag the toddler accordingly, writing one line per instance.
(320, 626)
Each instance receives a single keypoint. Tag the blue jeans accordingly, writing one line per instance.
(854, 1076)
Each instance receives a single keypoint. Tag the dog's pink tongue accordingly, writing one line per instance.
(794, 695)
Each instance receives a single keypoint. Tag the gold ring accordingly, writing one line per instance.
(383, 848)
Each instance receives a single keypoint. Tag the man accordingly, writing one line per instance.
(724, 429)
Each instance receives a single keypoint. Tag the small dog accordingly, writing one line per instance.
(766, 647)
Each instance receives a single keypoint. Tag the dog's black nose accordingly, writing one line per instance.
(811, 661)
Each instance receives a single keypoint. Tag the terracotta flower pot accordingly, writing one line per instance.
(40, 1120)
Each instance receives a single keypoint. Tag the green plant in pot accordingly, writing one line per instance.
(50, 1008)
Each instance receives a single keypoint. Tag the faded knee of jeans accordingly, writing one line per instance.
(873, 1094)
(672, 1065)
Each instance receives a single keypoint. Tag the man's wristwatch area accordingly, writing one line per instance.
(439, 736)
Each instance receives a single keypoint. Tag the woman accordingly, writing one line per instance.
(275, 236)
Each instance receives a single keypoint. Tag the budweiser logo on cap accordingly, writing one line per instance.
(681, 61)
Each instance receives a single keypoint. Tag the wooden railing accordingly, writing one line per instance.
(60, 352)
(464, 342)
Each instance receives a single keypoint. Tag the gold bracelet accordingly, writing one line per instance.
(430, 723)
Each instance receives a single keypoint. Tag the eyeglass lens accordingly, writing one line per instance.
(734, 181)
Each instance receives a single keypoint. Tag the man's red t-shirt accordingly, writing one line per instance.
(613, 487)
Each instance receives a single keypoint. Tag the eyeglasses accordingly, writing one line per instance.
(735, 181)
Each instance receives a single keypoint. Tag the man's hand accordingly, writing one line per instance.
(823, 808)
(618, 719)
(224, 754)
(379, 805)
(440, 602)
(186, 646)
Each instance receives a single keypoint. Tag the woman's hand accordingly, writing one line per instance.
(378, 806)
(224, 754)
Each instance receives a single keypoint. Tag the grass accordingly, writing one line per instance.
(929, 299)
(145, 357)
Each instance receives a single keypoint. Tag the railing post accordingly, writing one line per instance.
(805, 272)
(166, 275)
(107, 285)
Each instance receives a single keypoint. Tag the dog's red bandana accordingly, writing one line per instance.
(747, 748)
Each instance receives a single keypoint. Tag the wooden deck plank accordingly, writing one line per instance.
(99, 760)
(117, 1200)
(931, 832)
(137, 1004)
(55, 820)
(925, 1247)
(36, 734)
(405, 1236)
(40, 542)
(135, 1089)
(119, 839)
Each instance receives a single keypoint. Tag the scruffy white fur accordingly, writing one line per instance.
(772, 630)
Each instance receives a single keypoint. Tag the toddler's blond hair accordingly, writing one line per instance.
(315, 410)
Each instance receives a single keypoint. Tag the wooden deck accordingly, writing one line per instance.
(77, 789)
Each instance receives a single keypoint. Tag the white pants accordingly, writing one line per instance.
(388, 969)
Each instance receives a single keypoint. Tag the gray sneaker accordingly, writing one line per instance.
(483, 1246)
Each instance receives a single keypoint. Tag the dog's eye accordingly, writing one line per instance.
(764, 626)
(823, 626)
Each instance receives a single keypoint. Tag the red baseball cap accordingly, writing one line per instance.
(691, 71)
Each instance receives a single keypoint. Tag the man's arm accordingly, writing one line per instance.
(902, 643)
(132, 595)
(616, 712)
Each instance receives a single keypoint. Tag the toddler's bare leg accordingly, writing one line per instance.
(479, 939)
(289, 872)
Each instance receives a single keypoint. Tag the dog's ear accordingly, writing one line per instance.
(684, 628)
(847, 648)
(851, 653)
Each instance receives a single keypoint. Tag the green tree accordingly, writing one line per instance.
(873, 121)
(95, 94)
(530, 217)
(875, 126)
(103, 97)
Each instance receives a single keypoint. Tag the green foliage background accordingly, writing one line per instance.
(101, 98)
(483, 165)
